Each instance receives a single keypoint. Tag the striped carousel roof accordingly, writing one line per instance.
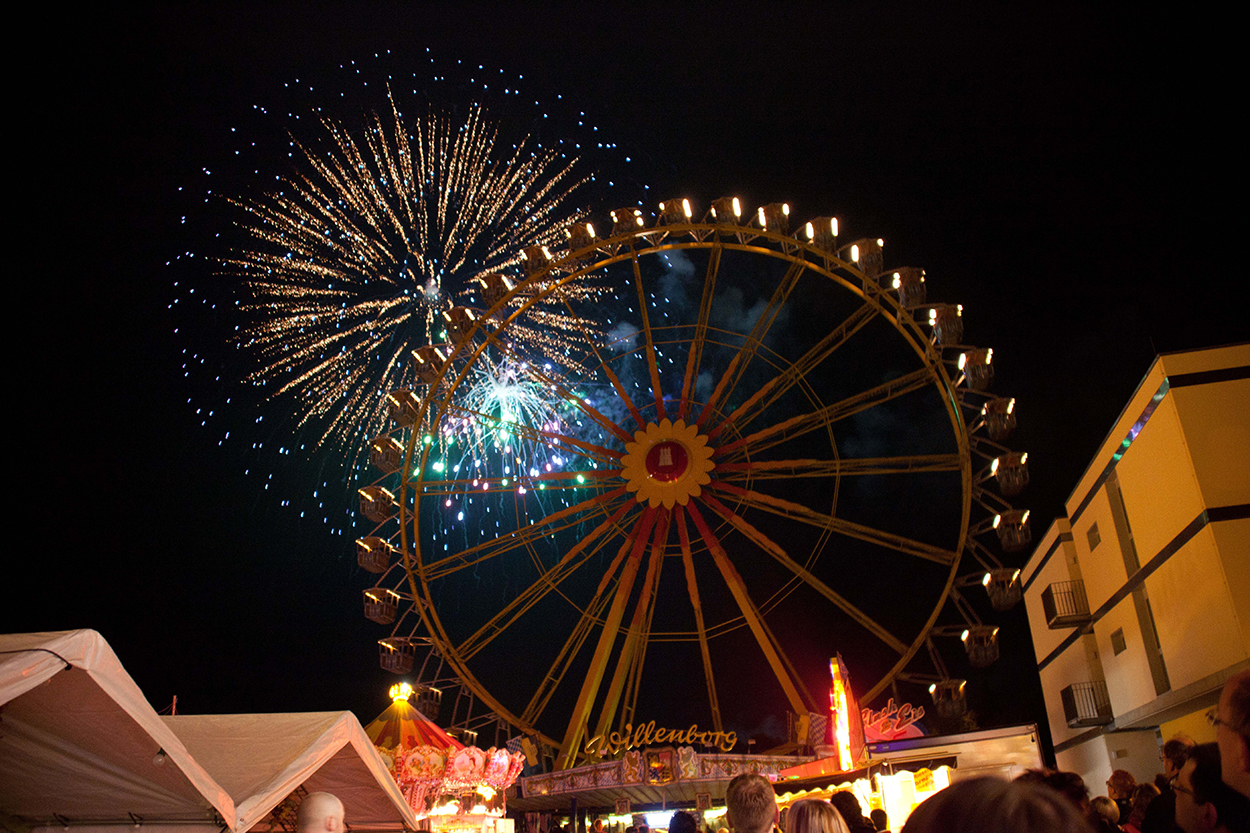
(401, 725)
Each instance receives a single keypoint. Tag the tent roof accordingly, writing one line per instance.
(79, 743)
(261, 758)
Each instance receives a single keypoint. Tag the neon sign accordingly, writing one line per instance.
(892, 722)
(839, 713)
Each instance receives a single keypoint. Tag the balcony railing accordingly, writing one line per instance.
(1086, 704)
(1065, 605)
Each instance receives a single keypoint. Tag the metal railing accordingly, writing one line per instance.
(1065, 604)
(1086, 704)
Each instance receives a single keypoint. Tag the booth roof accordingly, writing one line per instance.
(79, 744)
(261, 758)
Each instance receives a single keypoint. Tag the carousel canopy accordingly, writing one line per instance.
(80, 747)
(402, 726)
(262, 758)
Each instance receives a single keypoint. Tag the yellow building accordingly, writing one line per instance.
(1139, 599)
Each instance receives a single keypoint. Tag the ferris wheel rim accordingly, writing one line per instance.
(627, 250)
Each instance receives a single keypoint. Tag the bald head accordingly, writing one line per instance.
(319, 813)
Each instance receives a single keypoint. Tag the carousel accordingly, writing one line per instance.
(453, 786)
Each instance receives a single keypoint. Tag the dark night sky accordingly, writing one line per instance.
(1066, 174)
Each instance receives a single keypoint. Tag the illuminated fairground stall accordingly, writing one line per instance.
(450, 786)
(880, 756)
(887, 762)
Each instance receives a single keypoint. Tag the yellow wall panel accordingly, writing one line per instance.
(1160, 490)
(1193, 609)
(1103, 567)
(1233, 540)
(1214, 419)
(1128, 675)
(1193, 725)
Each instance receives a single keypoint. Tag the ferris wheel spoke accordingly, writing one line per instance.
(695, 357)
(850, 529)
(524, 536)
(841, 467)
(797, 426)
(692, 587)
(633, 650)
(652, 367)
(772, 390)
(769, 645)
(591, 615)
(607, 637)
(767, 545)
(577, 555)
(741, 359)
(603, 365)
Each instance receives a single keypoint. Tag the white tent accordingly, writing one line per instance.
(261, 758)
(80, 747)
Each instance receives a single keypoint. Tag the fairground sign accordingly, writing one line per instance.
(646, 734)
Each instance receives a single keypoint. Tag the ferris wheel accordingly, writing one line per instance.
(753, 449)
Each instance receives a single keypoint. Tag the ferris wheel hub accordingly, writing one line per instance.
(667, 463)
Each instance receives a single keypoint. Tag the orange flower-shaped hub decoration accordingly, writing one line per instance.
(667, 463)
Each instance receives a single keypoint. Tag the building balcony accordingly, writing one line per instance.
(1086, 704)
(1065, 605)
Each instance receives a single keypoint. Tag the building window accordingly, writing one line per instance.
(1094, 538)
(1117, 641)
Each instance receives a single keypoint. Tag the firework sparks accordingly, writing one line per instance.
(357, 257)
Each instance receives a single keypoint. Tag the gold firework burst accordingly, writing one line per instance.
(355, 257)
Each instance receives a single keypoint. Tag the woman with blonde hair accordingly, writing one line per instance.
(811, 815)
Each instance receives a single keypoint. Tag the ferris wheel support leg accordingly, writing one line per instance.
(611, 625)
(767, 642)
(692, 586)
(630, 652)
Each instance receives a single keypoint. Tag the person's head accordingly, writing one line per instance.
(1071, 786)
(683, 822)
(880, 820)
(1121, 784)
(1103, 806)
(1203, 801)
(319, 813)
(1232, 732)
(1021, 806)
(751, 804)
(847, 805)
(1174, 753)
(1143, 794)
(597, 826)
(811, 815)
